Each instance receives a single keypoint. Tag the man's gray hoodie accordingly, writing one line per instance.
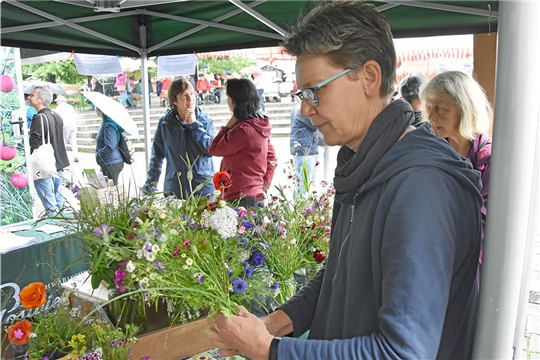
(400, 282)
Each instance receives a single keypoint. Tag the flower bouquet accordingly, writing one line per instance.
(55, 330)
(186, 253)
(291, 233)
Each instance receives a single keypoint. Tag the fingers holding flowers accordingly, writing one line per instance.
(242, 334)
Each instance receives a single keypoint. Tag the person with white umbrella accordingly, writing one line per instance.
(116, 120)
(108, 155)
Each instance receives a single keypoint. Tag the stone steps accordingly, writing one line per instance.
(89, 123)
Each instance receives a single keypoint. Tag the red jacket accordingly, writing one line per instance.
(248, 156)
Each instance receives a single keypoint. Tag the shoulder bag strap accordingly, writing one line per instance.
(43, 130)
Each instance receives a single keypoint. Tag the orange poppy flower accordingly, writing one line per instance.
(19, 333)
(222, 180)
(33, 295)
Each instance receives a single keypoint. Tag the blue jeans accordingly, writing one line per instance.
(49, 191)
(299, 161)
(123, 98)
(261, 98)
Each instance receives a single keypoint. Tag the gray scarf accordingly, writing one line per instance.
(355, 168)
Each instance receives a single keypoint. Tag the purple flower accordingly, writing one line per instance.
(239, 286)
(103, 229)
(155, 232)
(91, 356)
(306, 212)
(146, 358)
(201, 279)
(119, 276)
(248, 225)
(159, 265)
(274, 286)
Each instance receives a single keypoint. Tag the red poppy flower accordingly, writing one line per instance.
(222, 180)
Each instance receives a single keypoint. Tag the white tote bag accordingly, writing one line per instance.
(42, 159)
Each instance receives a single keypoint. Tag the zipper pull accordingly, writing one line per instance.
(353, 207)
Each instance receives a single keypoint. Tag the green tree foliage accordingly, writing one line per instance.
(217, 66)
(63, 72)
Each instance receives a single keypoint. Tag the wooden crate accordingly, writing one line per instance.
(177, 342)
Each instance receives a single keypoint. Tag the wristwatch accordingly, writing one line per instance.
(273, 354)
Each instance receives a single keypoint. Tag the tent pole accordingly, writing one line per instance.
(512, 184)
(145, 92)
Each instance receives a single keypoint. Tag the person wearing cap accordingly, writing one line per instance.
(409, 89)
(69, 115)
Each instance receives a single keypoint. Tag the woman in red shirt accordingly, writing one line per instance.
(244, 144)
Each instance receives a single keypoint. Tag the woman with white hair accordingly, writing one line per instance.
(458, 109)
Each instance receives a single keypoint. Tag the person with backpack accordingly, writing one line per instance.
(108, 155)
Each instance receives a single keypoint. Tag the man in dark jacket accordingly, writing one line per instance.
(400, 281)
(49, 189)
(183, 137)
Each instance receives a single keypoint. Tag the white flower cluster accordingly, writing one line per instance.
(224, 220)
(148, 251)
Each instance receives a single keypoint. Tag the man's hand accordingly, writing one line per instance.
(243, 334)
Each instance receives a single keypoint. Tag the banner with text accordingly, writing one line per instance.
(173, 65)
(88, 64)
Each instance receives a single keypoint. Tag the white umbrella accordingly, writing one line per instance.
(114, 110)
(129, 64)
(55, 88)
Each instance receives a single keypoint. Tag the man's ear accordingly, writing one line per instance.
(372, 76)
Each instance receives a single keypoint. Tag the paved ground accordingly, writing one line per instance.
(135, 176)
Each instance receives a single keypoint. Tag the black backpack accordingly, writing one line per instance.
(126, 149)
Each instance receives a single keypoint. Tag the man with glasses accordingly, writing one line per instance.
(400, 280)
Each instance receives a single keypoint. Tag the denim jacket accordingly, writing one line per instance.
(107, 151)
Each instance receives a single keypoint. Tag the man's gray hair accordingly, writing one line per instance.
(349, 33)
(45, 94)
(469, 97)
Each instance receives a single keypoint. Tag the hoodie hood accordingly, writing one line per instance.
(422, 148)
(261, 125)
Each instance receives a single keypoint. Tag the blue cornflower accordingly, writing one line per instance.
(257, 258)
(274, 286)
(239, 286)
(249, 272)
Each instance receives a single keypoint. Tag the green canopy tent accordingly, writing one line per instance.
(157, 27)
(161, 27)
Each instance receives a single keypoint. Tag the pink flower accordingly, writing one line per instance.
(186, 243)
(241, 229)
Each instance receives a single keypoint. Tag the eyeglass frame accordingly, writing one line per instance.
(300, 95)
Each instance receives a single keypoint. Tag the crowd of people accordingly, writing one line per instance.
(411, 187)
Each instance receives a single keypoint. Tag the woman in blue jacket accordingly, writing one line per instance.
(183, 137)
(108, 155)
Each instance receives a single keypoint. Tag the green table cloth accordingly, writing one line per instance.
(54, 259)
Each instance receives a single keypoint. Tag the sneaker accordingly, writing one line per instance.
(76, 159)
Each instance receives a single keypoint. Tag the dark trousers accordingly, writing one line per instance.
(247, 202)
(112, 171)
